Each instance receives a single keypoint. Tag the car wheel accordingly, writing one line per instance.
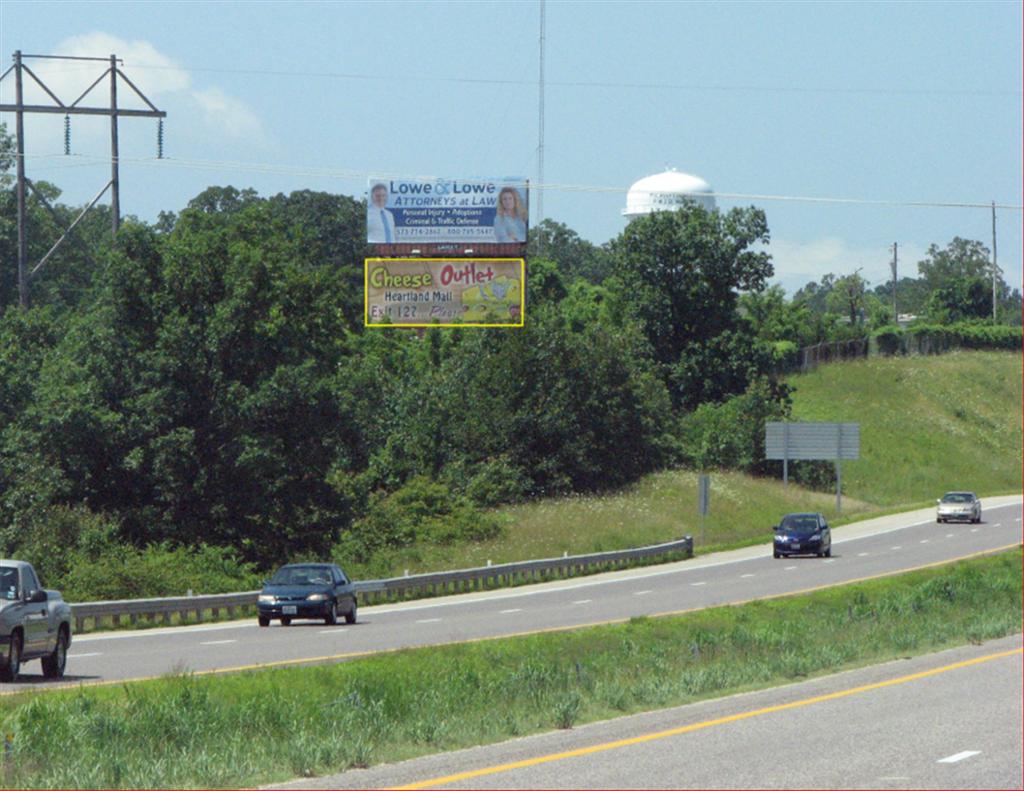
(350, 616)
(775, 555)
(263, 620)
(332, 615)
(54, 664)
(286, 621)
(10, 670)
(828, 552)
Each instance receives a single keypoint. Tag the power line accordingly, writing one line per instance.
(351, 174)
(719, 88)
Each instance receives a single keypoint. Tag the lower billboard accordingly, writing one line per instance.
(430, 292)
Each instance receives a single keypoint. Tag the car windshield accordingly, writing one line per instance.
(8, 582)
(957, 497)
(800, 523)
(301, 575)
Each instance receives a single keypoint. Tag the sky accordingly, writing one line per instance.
(853, 125)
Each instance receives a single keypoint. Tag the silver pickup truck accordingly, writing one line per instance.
(34, 623)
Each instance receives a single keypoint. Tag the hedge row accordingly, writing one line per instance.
(934, 339)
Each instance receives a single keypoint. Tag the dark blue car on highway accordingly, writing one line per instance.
(803, 534)
(307, 590)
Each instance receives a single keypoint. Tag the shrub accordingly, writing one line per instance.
(124, 572)
(731, 434)
(421, 510)
(889, 340)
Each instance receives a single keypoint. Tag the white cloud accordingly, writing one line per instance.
(159, 77)
(231, 116)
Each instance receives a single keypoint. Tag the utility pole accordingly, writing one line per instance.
(115, 182)
(895, 280)
(995, 266)
(19, 131)
(59, 107)
(540, 123)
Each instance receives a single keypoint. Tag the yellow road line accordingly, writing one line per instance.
(547, 630)
(650, 737)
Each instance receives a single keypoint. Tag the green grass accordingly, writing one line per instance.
(928, 425)
(261, 727)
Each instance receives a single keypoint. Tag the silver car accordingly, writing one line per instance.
(959, 507)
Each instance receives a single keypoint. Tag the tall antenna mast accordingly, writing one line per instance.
(540, 124)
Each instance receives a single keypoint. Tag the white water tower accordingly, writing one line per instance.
(666, 192)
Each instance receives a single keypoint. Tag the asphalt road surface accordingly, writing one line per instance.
(947, 720)
(863, 550)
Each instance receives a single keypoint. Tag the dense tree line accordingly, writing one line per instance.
(205, 384)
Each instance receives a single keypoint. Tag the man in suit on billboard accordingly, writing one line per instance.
(380, 223)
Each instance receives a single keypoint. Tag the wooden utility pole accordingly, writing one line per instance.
(995, 266)
(895, 280)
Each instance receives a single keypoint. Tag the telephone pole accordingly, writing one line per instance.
(895, 280)
(995, 266)
(540, 122)
(57, 106)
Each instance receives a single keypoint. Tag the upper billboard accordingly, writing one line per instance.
(446, 211)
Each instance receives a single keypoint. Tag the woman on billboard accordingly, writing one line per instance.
(510, 220)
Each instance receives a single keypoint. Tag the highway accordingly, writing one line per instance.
(862, 550)
(946, 720)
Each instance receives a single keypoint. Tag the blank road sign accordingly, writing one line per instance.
(799, 441)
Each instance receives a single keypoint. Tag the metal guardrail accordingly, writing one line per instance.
(374, 591)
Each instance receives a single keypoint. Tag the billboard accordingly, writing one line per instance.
(446, 211)
(428, 292)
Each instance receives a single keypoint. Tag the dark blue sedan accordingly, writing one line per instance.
(307, 590)
(803, 534)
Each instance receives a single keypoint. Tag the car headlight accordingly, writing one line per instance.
(317, 597)
(266, 598)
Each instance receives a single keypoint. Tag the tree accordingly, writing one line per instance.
(848, 297)
(960, 299)
(680, 273)
(576, 257)
(960, 258)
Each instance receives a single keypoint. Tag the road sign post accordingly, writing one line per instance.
(703, 501)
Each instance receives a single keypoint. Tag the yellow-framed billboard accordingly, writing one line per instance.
(445, 292)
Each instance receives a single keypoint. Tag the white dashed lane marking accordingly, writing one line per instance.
(789, 568)
(744, 576)
(925, 540)
(583, 601)
(695, 584)
(950, 535)
(952, 759)
(218, 642)
(82, 656)
(429, 620)
(506, 612)
(641, 593)
(897, 547)
(333, 631)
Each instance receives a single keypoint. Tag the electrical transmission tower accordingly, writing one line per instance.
(67, 110)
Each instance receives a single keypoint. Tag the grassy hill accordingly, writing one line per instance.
(928, 424)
